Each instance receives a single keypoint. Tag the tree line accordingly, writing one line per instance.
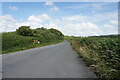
(24, 36)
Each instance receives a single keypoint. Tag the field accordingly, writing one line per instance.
(23, 38)
(101, 54)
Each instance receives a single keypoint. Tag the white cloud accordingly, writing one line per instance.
(92, 5)
(54, 9)
(79, 29)
(52, 25)
(49, 3)
(74, 18)
(7, 23)
(38, 18)
(34, 19)
(114, 22)
(44, 16)
(104, 17)
(77, 25)
(108, 29)
(13, 8)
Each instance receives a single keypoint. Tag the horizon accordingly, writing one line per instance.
(68, 35)
(71, 18)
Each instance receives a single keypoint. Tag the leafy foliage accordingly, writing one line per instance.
(11, 40)
(101, 53)
(25, 36)
(47, 35)
(24, 31)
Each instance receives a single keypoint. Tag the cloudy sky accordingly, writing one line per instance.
(71, 18)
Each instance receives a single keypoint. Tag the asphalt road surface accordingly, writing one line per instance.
(54, 61)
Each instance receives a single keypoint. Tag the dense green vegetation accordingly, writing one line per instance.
(101, 53)
(23, 38)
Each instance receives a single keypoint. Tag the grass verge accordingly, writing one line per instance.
(30, 46)
(96, 62)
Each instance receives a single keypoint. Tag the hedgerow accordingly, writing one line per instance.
(24, 37)
(101, 53)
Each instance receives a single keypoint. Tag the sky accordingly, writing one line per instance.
(71, 18)
(60, 0)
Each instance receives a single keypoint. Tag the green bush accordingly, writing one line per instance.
(103, 49)
(24, 31)
(11, 40)
(47, 35)
(24, 37)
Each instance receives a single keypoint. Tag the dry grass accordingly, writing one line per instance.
(94, 61)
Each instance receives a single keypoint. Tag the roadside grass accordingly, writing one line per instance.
(100, 54)
(25, 38)
(30, 46)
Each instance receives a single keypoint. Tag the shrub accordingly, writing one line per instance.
(104, 50)
(24, 31)
(11, 40)
(24, 37)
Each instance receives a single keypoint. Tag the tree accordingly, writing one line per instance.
(58, 34)
(55, 31)
(25, 31)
